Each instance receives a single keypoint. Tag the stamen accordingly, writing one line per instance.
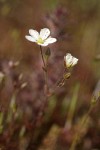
(40, 41)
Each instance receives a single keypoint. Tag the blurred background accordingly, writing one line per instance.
(25, 122)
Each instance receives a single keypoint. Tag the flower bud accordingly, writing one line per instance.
(70, 61)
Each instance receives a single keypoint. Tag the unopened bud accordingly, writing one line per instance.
(24, 85)
(70, 61)
(20, 77)
(67, 75)
(48, 52)
(13, 64)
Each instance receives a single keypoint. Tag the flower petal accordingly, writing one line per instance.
(34, 34)
(68, 58)
(44, 33)
(30, 38)
(50, 40)
(75, 61)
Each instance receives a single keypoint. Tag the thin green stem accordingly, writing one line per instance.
(72, 106)
(45, 69)
(78, 134)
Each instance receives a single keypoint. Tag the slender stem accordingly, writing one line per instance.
(72, 106)
(45, 69)
(42, 57)
(78, 134)
(46, 79)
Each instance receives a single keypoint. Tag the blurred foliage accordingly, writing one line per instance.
(25, 122)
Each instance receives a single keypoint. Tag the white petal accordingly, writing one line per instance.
(50, 40)
(68, 58)
(75, 60)
(30, 38)
(34, 34)
(44, 33)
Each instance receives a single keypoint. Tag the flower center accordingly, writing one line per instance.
(40, 41)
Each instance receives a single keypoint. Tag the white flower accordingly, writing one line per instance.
(43, 38)
(70, 61)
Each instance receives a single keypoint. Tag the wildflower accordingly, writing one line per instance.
(43, 38)
(70, 61)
